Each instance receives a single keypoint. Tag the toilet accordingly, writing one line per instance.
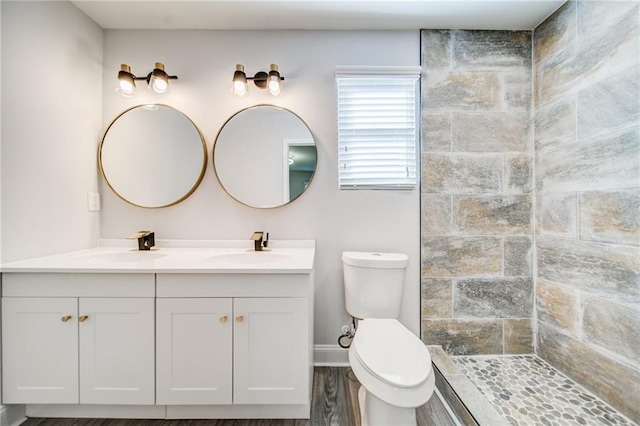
(391, 363)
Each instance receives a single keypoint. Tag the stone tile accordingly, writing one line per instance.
(615, 46)
(463, 174)
(556, 33)
(555, 123)
(440, 358)
(436, 298)
(518, 174)
(457, 406)
(600, 268)
(611, 216)
(518, 256)
(603, 162)
(436, 48)
(609, 104)
(491, 132)
(612, 326)
(517, 91)
(436, 214)
(594, 13)
(518, 336)
(461, 256)
(474, 49)
(527, 391)
(556, 215)
(436, 131)
(614, 382)
(464, 337)
(492, 214)
(462, 91)
(493, 298)
(557, 306)
(483, 412)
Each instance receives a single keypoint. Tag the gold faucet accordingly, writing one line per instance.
(146, 239)
(260, 240)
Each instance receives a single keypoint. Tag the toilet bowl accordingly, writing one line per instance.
(394, 369)
(391, 363)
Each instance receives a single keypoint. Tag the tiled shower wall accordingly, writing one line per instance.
(478, 296)
(587, 148)
(477, 208)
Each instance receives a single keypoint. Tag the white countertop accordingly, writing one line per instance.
(178, 256)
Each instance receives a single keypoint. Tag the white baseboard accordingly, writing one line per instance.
(12, 415)
(330, 356)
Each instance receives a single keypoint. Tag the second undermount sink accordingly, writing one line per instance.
(248, 258)
(121, 257)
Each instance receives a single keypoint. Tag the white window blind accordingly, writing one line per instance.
(377, 128)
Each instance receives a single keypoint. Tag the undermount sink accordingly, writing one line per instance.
(121, 257)
(248, 258)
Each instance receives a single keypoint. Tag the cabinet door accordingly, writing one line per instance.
(40, 350)
(271, 351)
(194, 344)
(117, 351)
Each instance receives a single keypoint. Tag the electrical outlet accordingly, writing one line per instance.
(93, 201)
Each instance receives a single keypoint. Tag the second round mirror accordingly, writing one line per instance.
(265, 156)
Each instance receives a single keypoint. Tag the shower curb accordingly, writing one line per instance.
(465, 400)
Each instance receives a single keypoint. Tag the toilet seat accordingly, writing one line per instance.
(392, 353)
(391, 362)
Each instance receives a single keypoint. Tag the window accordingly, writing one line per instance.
(377, 127)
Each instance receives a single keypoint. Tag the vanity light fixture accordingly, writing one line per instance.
(271, 81)
(157, 80)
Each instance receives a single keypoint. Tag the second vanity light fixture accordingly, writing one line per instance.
(157, 80)
(271, 81)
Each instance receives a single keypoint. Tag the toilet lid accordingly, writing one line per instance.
(391, 352)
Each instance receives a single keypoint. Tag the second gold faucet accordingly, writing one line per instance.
(260, 240)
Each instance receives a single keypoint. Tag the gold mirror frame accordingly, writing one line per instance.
(215, 156)
(184, 194)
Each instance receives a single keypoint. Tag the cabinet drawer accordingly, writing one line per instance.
(233, 285)
(77, 285)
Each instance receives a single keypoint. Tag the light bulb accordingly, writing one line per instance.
(126, 81)
(274, 83)
(159, 85)
(240, 88)
(239, 82)
(159, 80)
(126, 86)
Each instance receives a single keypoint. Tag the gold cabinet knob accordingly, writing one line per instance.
(83, 318)
(239, 319)
(223, 319)
(65, 318)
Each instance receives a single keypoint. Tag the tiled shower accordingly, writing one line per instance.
(531, 194)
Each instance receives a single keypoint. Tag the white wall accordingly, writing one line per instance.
(51, 86)
(51, 116)
(338, 220)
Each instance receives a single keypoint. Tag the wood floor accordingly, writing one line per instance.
(335, 403)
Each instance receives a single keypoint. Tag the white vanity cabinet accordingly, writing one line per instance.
(262, 341)
(271, 351)
(238, 345)
(40, 350)
(212, 332)
(194, 361)
(78, 338)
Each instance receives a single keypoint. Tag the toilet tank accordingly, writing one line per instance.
(373, 283)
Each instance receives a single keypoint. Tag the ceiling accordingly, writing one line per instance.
(319, 14)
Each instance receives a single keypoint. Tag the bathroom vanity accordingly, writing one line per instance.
(206, 332)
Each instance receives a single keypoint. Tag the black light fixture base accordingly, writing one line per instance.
(260, 79)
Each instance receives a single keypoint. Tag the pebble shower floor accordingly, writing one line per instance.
(525, 390)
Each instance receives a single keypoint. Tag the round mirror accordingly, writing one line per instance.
(265, 156)
(152, 156)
